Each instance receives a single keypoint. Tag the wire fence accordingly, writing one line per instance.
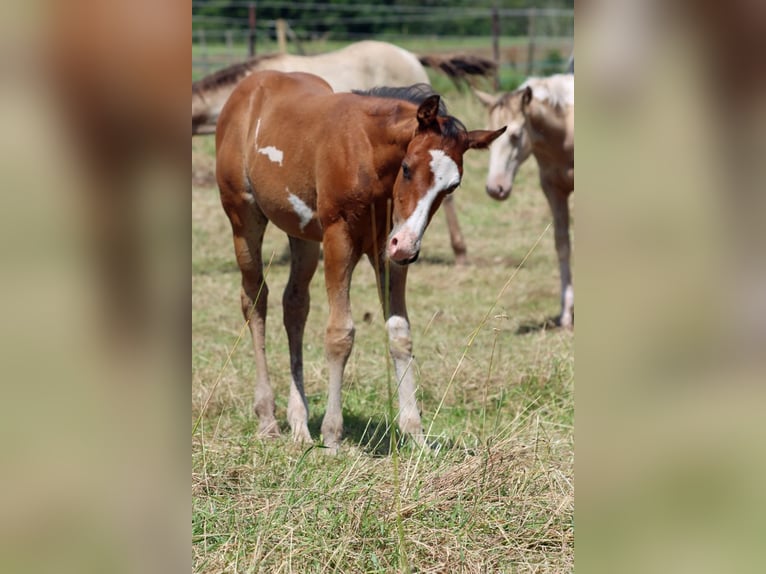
(527, 41)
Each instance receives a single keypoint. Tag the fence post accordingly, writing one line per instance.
(531, 46)
(496, 44)
(282, 35)
(203, 51)
(251, 30)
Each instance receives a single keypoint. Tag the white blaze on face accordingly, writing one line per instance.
(446, 175)
(274, 154)
(304, 212)
(408, 234)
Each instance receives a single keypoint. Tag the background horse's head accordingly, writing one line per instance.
(431, 169)
(508, 152)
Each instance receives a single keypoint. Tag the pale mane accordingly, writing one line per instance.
(557, 90)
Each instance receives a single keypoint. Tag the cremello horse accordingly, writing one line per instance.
(359, 66)
(392, 147)
(540, 120)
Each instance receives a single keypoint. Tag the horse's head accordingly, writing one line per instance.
(431, 169)
(507, 153)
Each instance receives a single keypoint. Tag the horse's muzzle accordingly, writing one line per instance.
(499, 193)
(403, 246)
(404, 262)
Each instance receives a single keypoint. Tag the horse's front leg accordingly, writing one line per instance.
(400, 347)
(340, 258)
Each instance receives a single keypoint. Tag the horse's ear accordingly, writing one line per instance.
(480, 139)
(487, 99)
(428, 111)
(526, 97)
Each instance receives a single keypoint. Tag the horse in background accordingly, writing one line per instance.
(359, 66)
(539, 116)
(390, 147)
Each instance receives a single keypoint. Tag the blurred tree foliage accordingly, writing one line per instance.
(353, 18)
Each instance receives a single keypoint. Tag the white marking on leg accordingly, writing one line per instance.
(568, 306)
(400, 346)
(303, 211)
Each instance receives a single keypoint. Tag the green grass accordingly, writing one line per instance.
(497, 496)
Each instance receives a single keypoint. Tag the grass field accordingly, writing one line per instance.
(496, 496)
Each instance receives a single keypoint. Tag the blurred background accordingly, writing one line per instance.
(671, 276)
(523, 37)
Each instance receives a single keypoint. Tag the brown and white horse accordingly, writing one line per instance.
(324, 168)
(359, 66)
(540, 120)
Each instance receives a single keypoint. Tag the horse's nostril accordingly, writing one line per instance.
(394, 242)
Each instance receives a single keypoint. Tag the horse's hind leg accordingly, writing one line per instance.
(559, 204)
(295, 305)
(455, 235)
(249, 224)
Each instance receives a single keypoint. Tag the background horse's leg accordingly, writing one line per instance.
(400, 347)
(295, 304)
(455, 235)
(559, 204)
(248, 237)
(340, 258)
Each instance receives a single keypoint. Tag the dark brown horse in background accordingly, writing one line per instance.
(329, 168)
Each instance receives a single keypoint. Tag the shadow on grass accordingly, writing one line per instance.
(373, 435)
(547, 324)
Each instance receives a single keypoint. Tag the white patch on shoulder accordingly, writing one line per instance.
(271, 152)
(303, 211)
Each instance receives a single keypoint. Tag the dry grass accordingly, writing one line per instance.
(496, 496)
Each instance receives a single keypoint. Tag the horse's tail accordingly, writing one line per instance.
(462, 68)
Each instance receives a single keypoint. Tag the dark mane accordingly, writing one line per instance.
(229, 75)
(416, 94)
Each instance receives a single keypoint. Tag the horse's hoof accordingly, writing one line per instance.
(302, 435)
(331, 447)
(269, 429)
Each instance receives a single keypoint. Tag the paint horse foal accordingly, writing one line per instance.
(540, 120)
(359, 66)
(323, 167)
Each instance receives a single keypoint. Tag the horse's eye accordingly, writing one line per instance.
(406, 171)
(515, 137)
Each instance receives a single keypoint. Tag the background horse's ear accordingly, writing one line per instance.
(480, 139)
(428, 111)
(526, 97)
(487, 99)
